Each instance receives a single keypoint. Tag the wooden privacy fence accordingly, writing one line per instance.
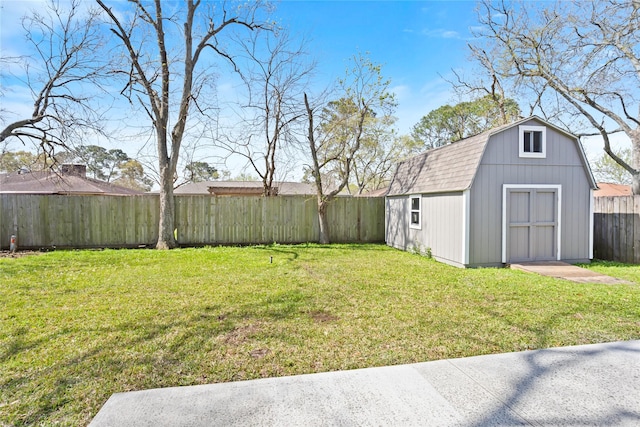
(616, 234)
(44, 221)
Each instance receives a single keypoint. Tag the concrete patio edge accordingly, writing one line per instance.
(563, 270)
(595, 384)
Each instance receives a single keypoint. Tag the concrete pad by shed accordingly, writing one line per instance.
(562, 270)
(569, 386)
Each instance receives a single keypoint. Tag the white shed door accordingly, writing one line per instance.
(532, 222)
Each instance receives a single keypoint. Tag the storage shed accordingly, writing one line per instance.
(520, 192)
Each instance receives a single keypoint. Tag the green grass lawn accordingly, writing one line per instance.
(77, 326)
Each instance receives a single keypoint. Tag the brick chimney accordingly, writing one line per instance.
(76, 170)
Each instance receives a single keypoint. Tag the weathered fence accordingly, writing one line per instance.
(42, 221)
(616, 233)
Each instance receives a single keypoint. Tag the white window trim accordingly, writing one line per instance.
(505, 188)
(466, 217)
(417, 226)
(524, 128)
(591, 224)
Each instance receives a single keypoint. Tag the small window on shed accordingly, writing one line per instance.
(415, 212)
(533, 141)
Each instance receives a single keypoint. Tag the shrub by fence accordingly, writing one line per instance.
(616, 234)
(43, 221)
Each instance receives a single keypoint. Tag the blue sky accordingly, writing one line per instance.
(415, 41)
(418, 43)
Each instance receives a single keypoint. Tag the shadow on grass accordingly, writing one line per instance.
(330, 246)
(17, 343)
(286, 250)
(155, 351)
(55, 380)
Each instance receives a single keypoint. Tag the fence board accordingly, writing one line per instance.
(617, 228)
(43, 221)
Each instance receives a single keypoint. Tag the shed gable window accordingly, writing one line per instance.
(533, 141)
(414, 221)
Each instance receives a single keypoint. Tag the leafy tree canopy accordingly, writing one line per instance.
(132, 176)
(452, 123)
(101, 163)
(13, 161)
(200, 171)
(245, 177)
(606, 169)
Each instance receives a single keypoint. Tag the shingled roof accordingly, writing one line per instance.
(607, 189)
(447, 168)
(48, 182)
(452, 167)
(245, 188)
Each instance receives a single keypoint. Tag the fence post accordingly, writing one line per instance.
(129, 221)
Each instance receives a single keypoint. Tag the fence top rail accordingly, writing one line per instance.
(15, 194)
(615, 197)
(280, 196)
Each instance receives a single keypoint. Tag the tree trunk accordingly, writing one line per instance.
(166, 239)
(322, 220)
(635, 184)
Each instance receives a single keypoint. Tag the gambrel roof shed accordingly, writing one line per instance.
(452, 167)
(518, 192)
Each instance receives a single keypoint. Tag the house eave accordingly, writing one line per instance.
(426, 193)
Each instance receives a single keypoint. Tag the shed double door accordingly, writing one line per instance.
(532, 224)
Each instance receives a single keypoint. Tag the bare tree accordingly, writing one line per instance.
(276, 73)
(152, 69)
(487, 84)
(379, 154)
(335, 131)
(582, 56)
(62, 72)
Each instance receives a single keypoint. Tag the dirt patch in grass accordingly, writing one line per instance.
(78, 326)
(242, 334)
(322, 316)
(19, 254)
(259, 353)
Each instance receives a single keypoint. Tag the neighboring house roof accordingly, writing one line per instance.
(606, 189)
(381, 192)
(48, 182)
(245, 188)
(453, 167)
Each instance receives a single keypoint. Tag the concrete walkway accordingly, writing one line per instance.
(562, 270)
(570, 386)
